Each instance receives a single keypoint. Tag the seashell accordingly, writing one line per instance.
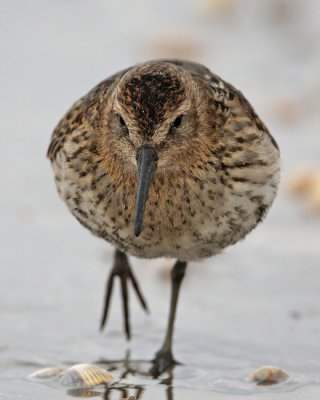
(216, 7)
(85, 375)
(269, 375)
(301, 182)
(175, 45)
(307, 184)
(287, 110)
(314, 198)
(46, 373)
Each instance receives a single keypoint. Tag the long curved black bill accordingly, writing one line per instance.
(146, 161)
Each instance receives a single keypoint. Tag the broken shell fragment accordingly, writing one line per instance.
(269, 375)
(46, 373)
(85, 375)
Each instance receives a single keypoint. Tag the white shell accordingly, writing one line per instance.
(85, 375)
(46, 373)
(269, 375)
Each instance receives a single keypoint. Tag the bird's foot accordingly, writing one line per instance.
(123, 270)
(162, 362)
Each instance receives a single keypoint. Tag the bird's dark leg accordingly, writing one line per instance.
(122, 269)
(164, 359)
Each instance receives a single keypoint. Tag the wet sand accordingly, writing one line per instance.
(257, 303)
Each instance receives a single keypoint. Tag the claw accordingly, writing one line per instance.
(162, 362)
(122, 269)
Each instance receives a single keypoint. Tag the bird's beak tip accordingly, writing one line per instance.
(137, 231)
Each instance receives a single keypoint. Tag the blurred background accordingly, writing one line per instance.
(258, 302)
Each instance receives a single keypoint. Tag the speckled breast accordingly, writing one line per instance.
(184, 218)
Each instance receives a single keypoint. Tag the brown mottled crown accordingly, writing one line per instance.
(149, 93)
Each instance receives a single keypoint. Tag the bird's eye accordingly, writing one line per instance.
(177, 122)
(121, 121)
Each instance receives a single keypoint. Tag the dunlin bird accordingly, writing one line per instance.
(164, 159)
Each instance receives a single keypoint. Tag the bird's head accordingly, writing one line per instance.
(152, 121)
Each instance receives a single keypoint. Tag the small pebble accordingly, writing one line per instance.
(269, 375)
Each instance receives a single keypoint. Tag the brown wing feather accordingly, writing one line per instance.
(224, 92)
(64, 127)
(82, 110)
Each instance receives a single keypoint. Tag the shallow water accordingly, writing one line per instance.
(257, 303)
